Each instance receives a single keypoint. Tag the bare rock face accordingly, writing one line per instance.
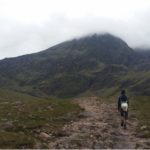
(44, 136)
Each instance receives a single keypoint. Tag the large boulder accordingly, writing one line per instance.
(44, 136)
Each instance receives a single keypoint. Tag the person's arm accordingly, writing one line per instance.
(119, 104)
(128, 101)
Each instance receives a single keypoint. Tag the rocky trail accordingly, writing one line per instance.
(99, 127)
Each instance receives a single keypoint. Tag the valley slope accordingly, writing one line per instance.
(92, 64)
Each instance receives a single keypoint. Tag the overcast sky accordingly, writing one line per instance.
(28, 26)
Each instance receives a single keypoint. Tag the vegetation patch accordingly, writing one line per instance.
(24, 117)
(140, 104)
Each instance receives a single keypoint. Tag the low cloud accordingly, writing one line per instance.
(29, 26)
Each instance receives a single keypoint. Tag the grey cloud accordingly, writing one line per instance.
(19, 38)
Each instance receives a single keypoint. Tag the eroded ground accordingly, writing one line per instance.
(99, 127)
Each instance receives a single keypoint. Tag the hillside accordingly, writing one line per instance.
(87, 122)
(23, 118)
(92, 63)
(32, 115)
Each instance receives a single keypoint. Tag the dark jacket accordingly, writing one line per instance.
(122, 98)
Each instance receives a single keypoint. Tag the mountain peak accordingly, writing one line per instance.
(100, 36)
(98, 40)
(77, 63)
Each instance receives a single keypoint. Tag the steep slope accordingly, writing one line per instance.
(69, 68)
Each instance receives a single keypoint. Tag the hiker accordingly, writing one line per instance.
(123, 104)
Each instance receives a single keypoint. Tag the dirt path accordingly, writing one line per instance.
(98, 127)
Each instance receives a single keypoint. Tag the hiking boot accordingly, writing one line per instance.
(125, 127)
(122, 123)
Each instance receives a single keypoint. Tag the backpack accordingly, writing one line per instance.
(124, 103)
(124, 106)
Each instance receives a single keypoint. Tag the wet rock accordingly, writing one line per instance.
(18, 102)
(86, 114)
(146, 132)
(9, 114)
(138, 146)
(132, 114)
(4, 119)
(113, 133)
(24, 126)
(91, 136)
(37, 131)
(105, 129)
(37, 145)
(59, 146)
(5, 103)
(97, 145)
(44, 136)
(44, 146)
(49, 107)
(143, 134)
(143, 127)
(98, 135)
(61, 134)
(115, 125)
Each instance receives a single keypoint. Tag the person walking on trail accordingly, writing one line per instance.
(123, 103)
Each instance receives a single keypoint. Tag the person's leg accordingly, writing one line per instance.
(122, 121)
(122, 117)
(125, 119)
(125, 125)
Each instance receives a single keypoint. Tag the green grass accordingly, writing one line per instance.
(15, 140)
(141, 105)
(28, 114)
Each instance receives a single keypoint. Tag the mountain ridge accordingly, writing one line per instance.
(84, 64)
